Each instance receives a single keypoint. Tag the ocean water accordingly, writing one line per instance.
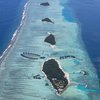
(87, 13)
(10, 17)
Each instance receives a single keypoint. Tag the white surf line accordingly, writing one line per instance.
(14, 37)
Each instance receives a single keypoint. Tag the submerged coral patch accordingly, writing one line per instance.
(45, 4)
(47, 20)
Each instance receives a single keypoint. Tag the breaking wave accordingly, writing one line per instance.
(13, 39)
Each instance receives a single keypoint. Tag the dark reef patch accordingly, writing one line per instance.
(55, 75)
(50, 39)
(37, 76)
(45, 4)
(30, 55)
(47, 20)
(84, 72)
(65, 57)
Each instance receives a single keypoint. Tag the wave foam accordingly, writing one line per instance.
(15, 33)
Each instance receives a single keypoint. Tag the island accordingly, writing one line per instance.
(50, 39)
(55, 75)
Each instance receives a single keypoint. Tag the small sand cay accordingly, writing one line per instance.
(45, 4)
(55, 75)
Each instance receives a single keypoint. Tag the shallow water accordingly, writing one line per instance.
(17, 72)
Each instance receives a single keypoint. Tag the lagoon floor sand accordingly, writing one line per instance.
(16, 72)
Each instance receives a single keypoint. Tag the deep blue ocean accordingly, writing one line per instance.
(10, 17)
(87, 14)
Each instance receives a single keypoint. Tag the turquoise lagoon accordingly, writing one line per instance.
(16, 72)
